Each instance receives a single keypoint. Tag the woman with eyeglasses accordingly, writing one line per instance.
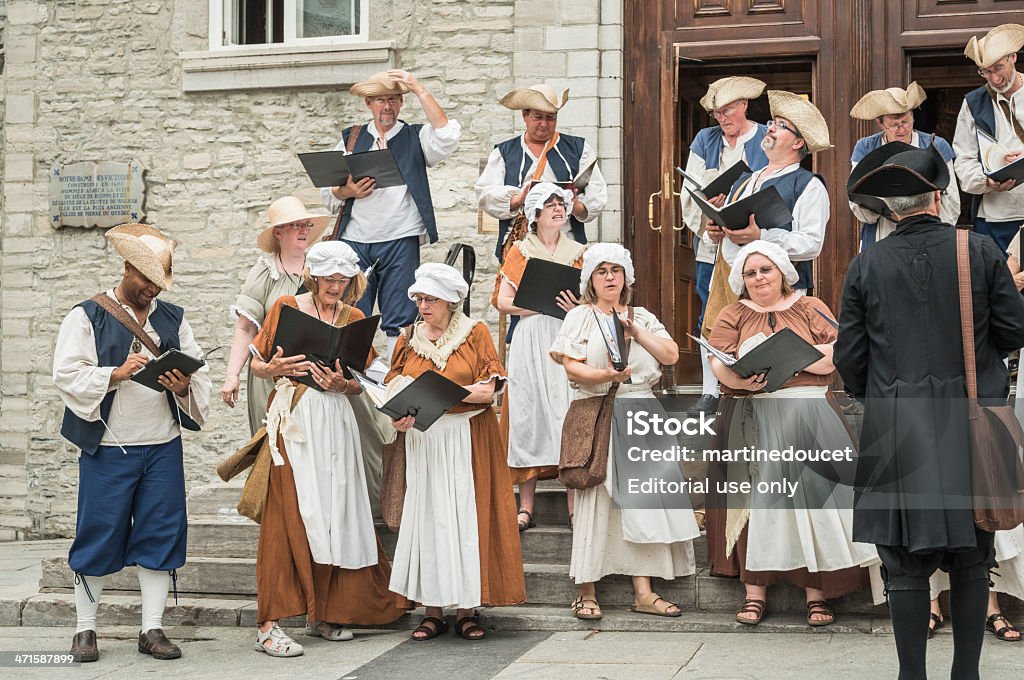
(648, 538)
(457, 544)
(318, 552)
(538, 392)
(804, 536)
(277, 272)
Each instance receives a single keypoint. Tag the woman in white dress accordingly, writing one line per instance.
(609, 539)
(538, 393)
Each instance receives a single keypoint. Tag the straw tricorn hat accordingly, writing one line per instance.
(379, 85)
(725, 91)
(147, 249)
(892, 101)
(285, 211)
(996, 44)
(540, 97)
(804, 115)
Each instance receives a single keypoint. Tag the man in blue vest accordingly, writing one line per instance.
(989, 134)
(131, 489)
(712, 151)
(892, 110)
(541, 153)
(387, 226)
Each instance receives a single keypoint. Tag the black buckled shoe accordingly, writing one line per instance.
(156, 644)
(83, 647)
(707, 404)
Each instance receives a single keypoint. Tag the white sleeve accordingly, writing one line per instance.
(862, 214)
(196, 402)
(949, 208)
(327, 197)
(810, 215)
(438, 144)
(492, 194)
(595, 196)
(693, 218)
(965, 147)
(81, 383)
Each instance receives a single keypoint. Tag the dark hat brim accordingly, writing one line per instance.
(906, 171)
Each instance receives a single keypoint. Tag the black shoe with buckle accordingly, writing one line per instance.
(83, 647)
(156, 644)
(707, 404)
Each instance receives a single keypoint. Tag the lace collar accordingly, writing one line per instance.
(567, 250)
(440, 350)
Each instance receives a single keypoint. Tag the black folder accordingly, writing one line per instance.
(780, 357)
(300, 333)
(427, 398)
(168, 361)
(1014, 170)
(765, 205)
(542, 282)
(721, 184)
(579, 182)
(332, 168)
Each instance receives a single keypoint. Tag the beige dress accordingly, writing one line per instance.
(607, 539)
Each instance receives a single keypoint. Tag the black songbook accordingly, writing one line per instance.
(426, 398)
(780, 357)
(579, 182)
(1014, 170)
(721, 184)
(765, 205)
(300, 333)
(332, 168)
(168, 361)
(991, 153)
(542, 282)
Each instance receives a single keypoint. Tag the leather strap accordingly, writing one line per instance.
(468, 267)
(127, 320)
(542, 162)
(625, 355)
(963, 266)
(350, 146)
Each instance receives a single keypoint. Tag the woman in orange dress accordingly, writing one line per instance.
(318, 553)
(457, 545)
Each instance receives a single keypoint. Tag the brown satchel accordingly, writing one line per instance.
(586, 437)
(392, 482)
(353, 135)
(997, 473)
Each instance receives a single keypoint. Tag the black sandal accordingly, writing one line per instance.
(467, 628)
(935, 623)
(436, 627)
(1000, 633)
(529, 524)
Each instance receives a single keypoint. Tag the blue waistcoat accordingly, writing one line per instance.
(113, 343)
(405, 147)
(789, 186)
(866, 145)
(708, 145)
(983, 110)
(570, 147)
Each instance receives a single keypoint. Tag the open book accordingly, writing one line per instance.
(579, 182)
(721, 184)
(993, 162)
(426, 398)
(765, 205)
(781, 356)
(332, 168)
(168, 361)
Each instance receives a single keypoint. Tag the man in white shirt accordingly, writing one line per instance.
(994, 113)
(715, 149)
(386, 226)
(131, 495)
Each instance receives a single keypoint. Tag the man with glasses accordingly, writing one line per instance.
(989, 134)
(713, 150)
(892, 110)
(541, 153)
(386, 226)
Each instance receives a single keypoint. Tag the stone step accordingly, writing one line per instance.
(219, 498)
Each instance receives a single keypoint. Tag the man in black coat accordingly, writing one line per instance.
(900, 351)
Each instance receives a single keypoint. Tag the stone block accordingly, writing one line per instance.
(10, 611)
(611, 112)
(25, 13)
(529, 40)
(611, 63)
(580, 12)
(584, 64)
(571, 37)
(21, 49)
(609, 141)
(610, 37)
(611, 88)
(543, 65)
(611, 12)
(19, 167)
(536, 12)
(21, 108)
(581, 111)
(196, 161)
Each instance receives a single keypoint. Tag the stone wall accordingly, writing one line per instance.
(101, 80)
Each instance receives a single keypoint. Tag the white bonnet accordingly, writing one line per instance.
(332, 257)
(539, 194)
(440, 281)
(773, 252)
(605, 252)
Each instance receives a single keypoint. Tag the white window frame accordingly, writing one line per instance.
(221, 15)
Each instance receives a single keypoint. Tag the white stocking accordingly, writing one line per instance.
(154, 586)
(86, 608)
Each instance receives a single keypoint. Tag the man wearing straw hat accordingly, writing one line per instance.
(989, 134)
(796, 129)
(131, 490)
(387, 226)
(712, 151)
(541, 153)
(892, 110)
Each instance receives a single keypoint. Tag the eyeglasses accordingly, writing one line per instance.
(996, 70)
(780, 124)
(609, 271)
(763, 271)
(297, 226)
(541, 117)
(903, 124)
(332, 282)
(425, 300)
(381, 101)
(718, 114)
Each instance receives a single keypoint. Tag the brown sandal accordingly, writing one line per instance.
(650, 606)
(581, 603)
(469, 628)
(436, 627)
(820, 608)
(528, 524)
(751, 606)
(1000, 633)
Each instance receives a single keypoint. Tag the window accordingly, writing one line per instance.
(268, 22)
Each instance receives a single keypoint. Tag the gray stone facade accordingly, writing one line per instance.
(97, 80)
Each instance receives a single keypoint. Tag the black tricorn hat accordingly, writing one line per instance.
(906, 171)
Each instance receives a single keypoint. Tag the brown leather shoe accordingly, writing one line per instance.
(155, 643)
(83, 647)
